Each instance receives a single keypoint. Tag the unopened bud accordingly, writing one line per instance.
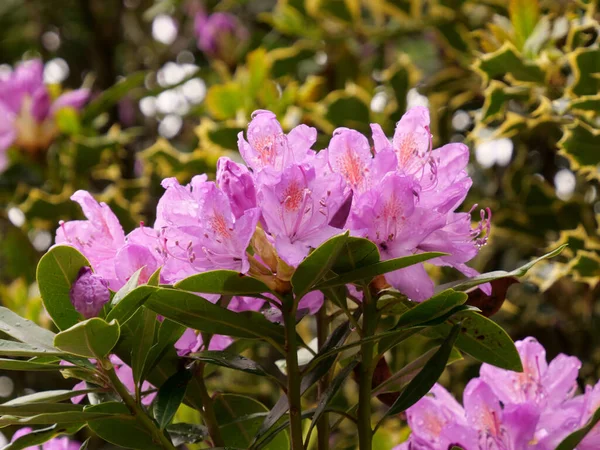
(89, 293)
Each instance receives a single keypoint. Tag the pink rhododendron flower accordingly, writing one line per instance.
(390, 216)
(214, 239)
(411, 142)
(349, 154)
(98, 238)
(298, 208)
(540, 383)
(269, 148)
(532, 410)
(403, 197)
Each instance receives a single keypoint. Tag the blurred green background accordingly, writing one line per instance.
(518, 81)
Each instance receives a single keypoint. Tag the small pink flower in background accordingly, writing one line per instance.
(191, 342)
(220, 36)
(27, 110)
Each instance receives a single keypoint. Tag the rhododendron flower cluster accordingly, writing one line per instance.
(535, 409)
(289, 199)
(27, 109)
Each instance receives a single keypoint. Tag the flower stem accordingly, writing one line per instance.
(365, 432)
(323, 422)
(293, 374)
(137, 410)
(208, 413)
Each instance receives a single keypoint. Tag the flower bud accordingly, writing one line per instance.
(89, 293)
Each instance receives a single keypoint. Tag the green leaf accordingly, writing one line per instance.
(13, 348)
(585, 63)
(579, 145)
(587, 103)
(196, 312)
(11, 364)
(170, 395)
(573, 439)
(224, 101)
(33, 409)
(112, 95)
(48, 396)
(25, 330)
(524, 15)
(506, 60)
(357, 252)
(127, 287)
(167, 361)
(316, 265)
(67, 121)
(123, 431)
(143, 340)
(56, 272)
(129, 304)
(168, 333)
(430, 309)
(224, 282)
(484, 340)
(229, 360)
(465, 285)
(68, 417)
(427, 377)
(403, 376)
(330, 392)
(118, 427)
(37, 437)
(238, 421)
(344, 110)
(497, 97)
(380, 268)
(93, 338)
(186, 433)
(154, 279)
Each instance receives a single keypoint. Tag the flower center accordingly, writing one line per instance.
(350, 167)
